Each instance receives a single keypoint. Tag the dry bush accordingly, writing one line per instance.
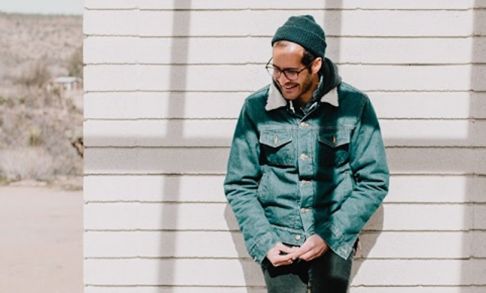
(38, 123)
(75, 63)
(26, 163)
(37, 75)
(39, 163)
(45, 130)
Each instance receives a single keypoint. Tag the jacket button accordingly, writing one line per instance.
(297, 237)
(304, 210)
(304, 157)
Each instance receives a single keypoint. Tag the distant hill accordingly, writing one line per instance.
(39, 120)
(25, 39)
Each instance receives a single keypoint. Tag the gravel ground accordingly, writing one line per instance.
(41, 240)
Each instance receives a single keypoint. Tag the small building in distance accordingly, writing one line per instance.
(65, 83)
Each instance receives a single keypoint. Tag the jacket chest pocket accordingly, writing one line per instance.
(276, 147)
(333, 146)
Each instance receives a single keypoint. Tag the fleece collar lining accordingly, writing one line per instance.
(275, 99)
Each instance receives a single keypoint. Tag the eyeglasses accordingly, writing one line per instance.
(290, 73)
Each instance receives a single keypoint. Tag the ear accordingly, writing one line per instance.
(316, 65)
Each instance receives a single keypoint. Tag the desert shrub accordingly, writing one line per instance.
(26, 163)
(37, 75)
(75, 63)
(35, 114)
(35, 138)
(41, 131)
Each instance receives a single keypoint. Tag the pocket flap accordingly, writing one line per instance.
(275, 138)
(334, 138)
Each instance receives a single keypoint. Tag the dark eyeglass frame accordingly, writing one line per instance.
(275, 72)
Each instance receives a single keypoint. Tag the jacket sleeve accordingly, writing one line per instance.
(241, 188)
(371, 176)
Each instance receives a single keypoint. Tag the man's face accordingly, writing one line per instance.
(289, 57)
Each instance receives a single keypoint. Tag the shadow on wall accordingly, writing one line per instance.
(178, 77)
(251, 271)
(471, 271)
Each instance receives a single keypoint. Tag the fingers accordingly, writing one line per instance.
(302, 251)
(312, 248)
(298, 252)
(305, 248)
(286, 249)
(311, 254)
(282, 261)
(280, 255)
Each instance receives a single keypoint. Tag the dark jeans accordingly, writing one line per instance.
(326, 274)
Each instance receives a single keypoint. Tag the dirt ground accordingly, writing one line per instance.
(40, 240)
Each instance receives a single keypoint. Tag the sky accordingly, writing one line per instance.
(42, 6)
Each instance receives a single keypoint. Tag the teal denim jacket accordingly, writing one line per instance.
(291, 176)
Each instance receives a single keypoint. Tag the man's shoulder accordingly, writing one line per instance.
(345, 89)
(352, 101)
(350, 94)
(259, 96)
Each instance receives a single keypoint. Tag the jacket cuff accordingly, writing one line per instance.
(336, 241)
(262, 245)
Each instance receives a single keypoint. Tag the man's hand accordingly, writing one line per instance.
(312, 248)
(281, 255)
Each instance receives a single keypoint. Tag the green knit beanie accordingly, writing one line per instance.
(304, 31)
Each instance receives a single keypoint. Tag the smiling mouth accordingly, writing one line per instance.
(289, 87)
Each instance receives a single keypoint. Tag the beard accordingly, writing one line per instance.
(296, 91)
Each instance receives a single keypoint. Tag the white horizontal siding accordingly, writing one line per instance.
(155, 160)
(402, 160)
(190, 105)
(383, 244)
(418, 289)
(160, 112)
(229, 272)
(248, 77)
(218, 133)
(207, 188)
(275, 4)
(457, 23)
(160, 105)
(185, 272)
(421, 272)
(218, 216)
(154, 188)
(174, 289)
(122, 50)
(160, 133)
(363, 289)
(161, 244)
(445, 105)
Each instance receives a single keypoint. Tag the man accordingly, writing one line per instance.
(307, 167)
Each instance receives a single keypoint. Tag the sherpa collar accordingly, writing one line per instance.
(275, 99)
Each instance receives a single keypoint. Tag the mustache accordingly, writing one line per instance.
(287, 84)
